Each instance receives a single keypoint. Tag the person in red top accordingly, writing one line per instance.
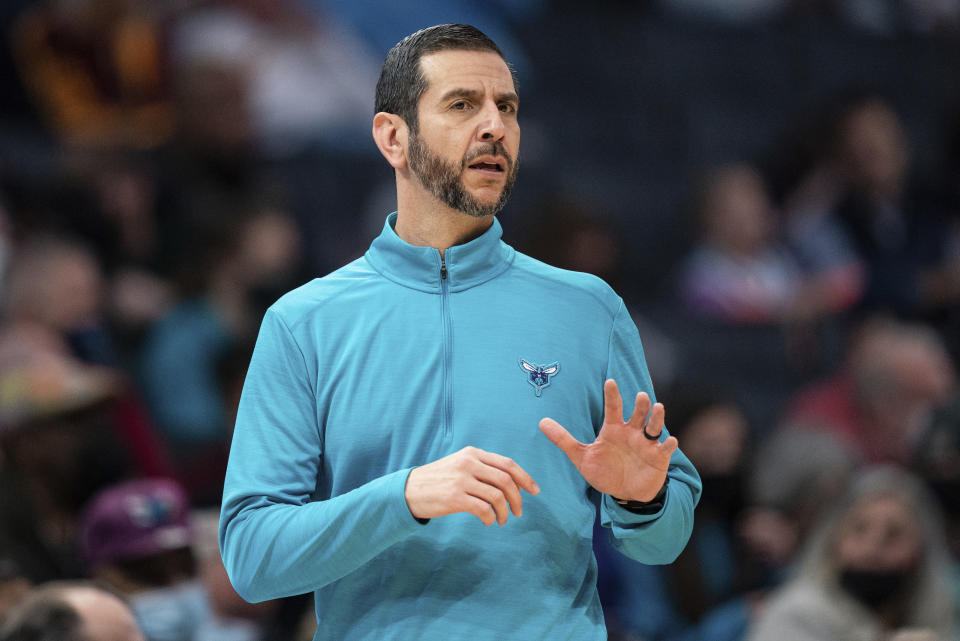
(895, 374)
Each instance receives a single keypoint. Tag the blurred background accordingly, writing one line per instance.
(773, 186)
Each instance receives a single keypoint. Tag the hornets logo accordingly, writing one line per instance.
(539, 375)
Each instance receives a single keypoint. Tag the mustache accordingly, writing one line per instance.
(488, 149)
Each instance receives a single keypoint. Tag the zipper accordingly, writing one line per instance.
(446, 427)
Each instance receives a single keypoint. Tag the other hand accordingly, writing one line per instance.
(471, 480)
(621, 461)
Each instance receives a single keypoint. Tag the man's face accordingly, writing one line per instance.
(464, 151)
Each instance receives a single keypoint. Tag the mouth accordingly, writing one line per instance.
(489, 164)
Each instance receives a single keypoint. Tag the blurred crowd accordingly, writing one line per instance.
(168, 169)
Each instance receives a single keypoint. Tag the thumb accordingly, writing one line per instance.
(562, 439)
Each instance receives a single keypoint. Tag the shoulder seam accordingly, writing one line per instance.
(613, 324)
(518, 265)
(314, 303)
(303, 360)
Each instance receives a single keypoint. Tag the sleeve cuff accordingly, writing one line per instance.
(630, 518)
(405, 474)
(653, 506)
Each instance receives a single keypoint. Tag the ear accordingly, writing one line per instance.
(390, 133)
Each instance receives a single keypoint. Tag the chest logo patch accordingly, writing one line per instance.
(539, 375)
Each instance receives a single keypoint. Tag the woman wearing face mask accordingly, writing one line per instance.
(877, 569)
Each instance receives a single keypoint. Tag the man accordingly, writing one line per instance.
(394, 400)
(875, 405)
(70, 611)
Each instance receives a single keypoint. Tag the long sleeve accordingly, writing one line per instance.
(277, 537)
(657, 538)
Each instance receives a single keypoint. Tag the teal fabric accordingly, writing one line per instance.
(382, 366)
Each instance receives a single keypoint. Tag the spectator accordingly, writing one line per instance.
(58, 446)
(54, 303)
(738, 271)
(877, 567)
(100, 207)
(70, 611)
(895, 374)
(56, 284)
(138, 538)
(743, 292)
(865, 227)
(793, 475)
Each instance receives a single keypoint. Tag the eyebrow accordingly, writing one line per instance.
(461, 92)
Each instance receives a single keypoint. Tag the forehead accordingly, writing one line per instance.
(882, 509)
(477, 70)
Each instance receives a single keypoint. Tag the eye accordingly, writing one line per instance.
(508, 107)
(460, 105)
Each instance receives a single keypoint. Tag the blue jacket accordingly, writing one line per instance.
(398, 359)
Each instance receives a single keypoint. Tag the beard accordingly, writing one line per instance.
(445, 180)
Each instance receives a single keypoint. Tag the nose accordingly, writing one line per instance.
(875, 545)
(491, 125)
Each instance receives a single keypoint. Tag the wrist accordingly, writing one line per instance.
(406, 498)
(652, 506)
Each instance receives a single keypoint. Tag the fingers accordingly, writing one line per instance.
(613, 406)
(480, 509)
(508, 465)
(562, 439)
(641, 408)
(496, 482)
(495, 497)
(654, 426)
(506, 490)
(669, 446)
(612, 402)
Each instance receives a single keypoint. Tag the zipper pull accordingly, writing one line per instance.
(443, 268)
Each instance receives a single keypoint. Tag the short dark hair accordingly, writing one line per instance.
(401, 82)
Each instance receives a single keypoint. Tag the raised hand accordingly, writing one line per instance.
(621, 461)
(471, 480)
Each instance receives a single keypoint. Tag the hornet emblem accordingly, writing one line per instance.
(539, 375)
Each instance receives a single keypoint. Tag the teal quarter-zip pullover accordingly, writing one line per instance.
(398, 359)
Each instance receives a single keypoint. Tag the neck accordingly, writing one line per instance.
(425, 221)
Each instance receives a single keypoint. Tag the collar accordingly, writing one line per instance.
(468, 265)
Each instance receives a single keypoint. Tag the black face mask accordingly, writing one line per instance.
(875, 588)
(948, 493)
(723, 494)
